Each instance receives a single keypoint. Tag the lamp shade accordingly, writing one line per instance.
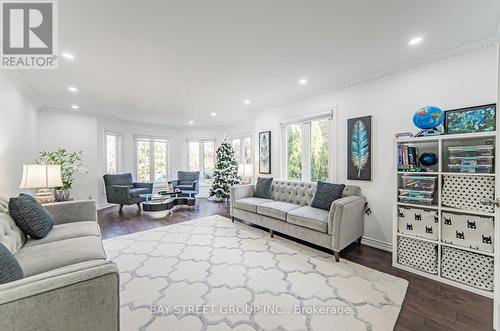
(41, 176)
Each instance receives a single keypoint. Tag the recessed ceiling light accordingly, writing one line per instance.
(247, 102)
(75, 107)
(191, 122)
(72, 89)
(213, 114)
(415, 41)
(303, 81)
(68, 56)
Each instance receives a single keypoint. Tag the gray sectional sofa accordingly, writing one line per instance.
(289, 212)
(67, 284)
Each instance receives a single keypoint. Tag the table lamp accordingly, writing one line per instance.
(42, 177)
(247, 173)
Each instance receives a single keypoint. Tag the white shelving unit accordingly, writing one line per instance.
(438, 145)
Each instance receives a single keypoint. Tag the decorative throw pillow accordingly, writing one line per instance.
(10, 270)
(263, 188)
(30, 216)
(326, 194)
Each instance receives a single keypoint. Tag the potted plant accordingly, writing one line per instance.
(70, 165)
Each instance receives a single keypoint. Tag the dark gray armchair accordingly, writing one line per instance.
(187, 181)
(121, 189)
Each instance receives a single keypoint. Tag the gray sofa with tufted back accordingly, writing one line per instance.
(289, 212)
(67, 284)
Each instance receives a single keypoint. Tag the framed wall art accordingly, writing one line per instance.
(265, 152)
(359, 151)
(471, 119)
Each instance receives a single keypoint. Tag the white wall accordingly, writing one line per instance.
(75, 133)
(18, 129)
(466, 81)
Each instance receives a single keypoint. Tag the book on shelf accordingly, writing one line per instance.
(408, 158)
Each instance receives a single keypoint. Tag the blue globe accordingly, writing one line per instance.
(428, 159)
(428, 117)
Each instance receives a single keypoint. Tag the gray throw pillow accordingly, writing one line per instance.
(263, 188)
(10, 270)
(326, 194)
(30, 216)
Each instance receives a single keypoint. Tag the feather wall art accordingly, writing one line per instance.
(359, 150)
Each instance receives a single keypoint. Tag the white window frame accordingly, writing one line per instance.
(201, 155)
(305, 123)
(151, 141)
(242, 137)
(118, 150)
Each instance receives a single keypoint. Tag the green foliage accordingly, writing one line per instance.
(294, 157)
(69, 161)
(225, 173)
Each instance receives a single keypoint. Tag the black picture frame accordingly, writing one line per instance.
(448, 121)
(359, 150)
(265, 152)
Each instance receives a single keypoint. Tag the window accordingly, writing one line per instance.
(112, 144)
(242, 147)
(201, 157)
(306, 152)
(152, 157)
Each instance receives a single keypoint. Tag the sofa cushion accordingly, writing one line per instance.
(250, 204)
(276, 209)
(30, 216)
(10, 270)
(185, 187)
(186, 182)
(263, 188)
(326, 194)
(41, 258)
(309, 217)
(67, 231)
(134, 192)
(10, 234)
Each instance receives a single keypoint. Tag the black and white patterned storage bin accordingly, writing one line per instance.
(469, 231)
(469, 268)
(418, 222)
(418, 254)
(466, 192)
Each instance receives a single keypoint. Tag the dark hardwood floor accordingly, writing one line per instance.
(428, 305)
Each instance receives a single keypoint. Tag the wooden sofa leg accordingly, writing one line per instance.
(337, 256)
(232, 219)
(139, 206)
(271, 233)
(120, 210)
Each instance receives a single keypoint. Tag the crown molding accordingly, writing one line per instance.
(392, 72)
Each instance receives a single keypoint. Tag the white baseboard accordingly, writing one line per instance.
(104, 205)
(375, 243)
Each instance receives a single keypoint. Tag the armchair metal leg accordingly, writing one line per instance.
(271, 233)
(337, 256)
(120, 210)
(139, 206)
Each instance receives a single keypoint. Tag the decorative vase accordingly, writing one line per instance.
(62, 195)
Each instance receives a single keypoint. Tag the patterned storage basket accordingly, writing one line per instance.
(468, 268)
(418, 254)
(471, 231)
(418, 222)
(465, 192)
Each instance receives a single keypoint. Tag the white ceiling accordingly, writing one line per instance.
(173, 61)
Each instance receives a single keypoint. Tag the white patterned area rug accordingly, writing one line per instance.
(214, 275)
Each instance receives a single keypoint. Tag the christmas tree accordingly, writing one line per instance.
(226, 171)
